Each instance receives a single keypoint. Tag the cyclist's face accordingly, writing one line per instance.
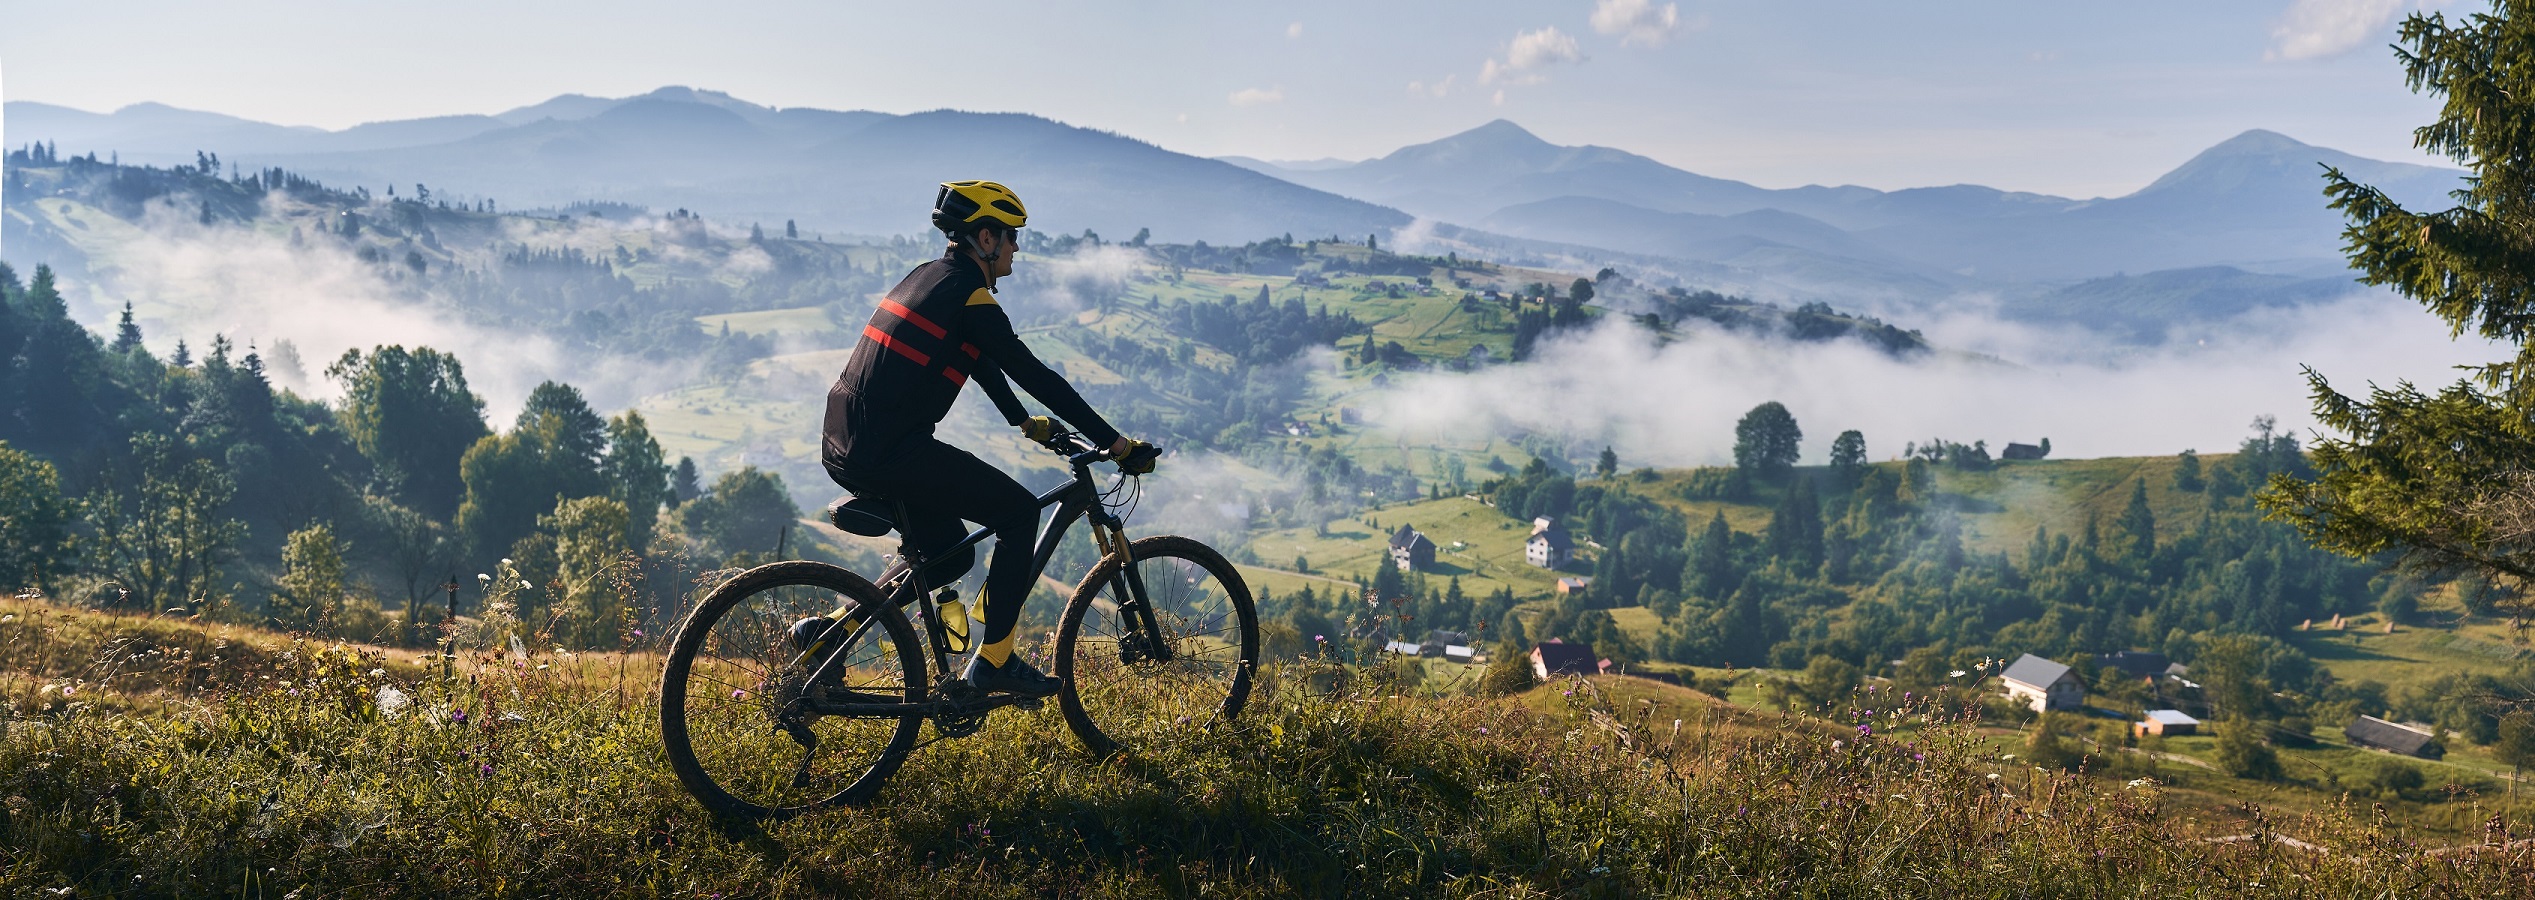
(998, 247)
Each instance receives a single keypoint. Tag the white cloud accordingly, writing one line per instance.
(1529, 52)
(1436, 90)
(1258, 96)
(2312, 29)
(1638, 22)
(1675, 404)
(1294, 31)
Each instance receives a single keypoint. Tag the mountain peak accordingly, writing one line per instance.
(1498, 132)
(2257, 141)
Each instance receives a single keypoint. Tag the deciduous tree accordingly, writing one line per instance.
(1766, 441)
(411, 414)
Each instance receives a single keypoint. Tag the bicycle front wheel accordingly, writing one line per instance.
(734, 700)
(1122, 686)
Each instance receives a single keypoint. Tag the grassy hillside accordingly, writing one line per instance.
(135, 763)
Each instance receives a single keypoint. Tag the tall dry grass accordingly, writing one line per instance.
(272, 766)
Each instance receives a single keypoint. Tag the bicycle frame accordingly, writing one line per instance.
(1078, 498)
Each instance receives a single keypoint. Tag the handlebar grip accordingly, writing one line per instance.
(1140, 460)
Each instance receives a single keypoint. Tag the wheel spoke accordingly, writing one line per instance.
(737, 740)
(1116, 691)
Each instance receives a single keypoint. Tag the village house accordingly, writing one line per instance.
(1549, 545)
(1555, 657)
(2378, 734)
(2166, 722)
(1411, 551)
(2043, 684)
(1573, 585)
(1404, 648)
(2022, 451)
(1440, 642)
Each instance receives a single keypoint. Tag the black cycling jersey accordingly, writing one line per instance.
(933, 333)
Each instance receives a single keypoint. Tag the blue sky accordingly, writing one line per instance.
(2077, 99)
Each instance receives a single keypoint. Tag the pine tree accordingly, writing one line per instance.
(2439, 478)
(1711, 573)
(791, 232)
(683, 481)
(1795, 530)
(127, 334)
(2138, 523)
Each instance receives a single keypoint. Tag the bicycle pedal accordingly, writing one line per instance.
(1028, 702)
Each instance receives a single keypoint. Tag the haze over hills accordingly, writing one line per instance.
(2251, 204)
(834, 172)
(2252, 201)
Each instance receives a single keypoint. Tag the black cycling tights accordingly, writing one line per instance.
(941, 486)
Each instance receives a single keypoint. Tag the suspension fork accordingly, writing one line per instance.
(1137, 609)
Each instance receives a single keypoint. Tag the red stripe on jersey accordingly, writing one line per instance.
(903, 350)
(956, 376)
(970, 349)
(919, 321)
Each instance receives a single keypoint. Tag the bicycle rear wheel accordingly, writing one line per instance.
(1118, 690)
(731, 694)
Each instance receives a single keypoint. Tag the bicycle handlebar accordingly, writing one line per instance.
(1079, 450)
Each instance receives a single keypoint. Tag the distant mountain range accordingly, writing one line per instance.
(2241, 216)
(839, 172)
(2254, 200)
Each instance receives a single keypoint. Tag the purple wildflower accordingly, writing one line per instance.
(457, 717)
(1865, 730)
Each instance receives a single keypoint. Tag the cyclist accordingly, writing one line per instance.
(937, 330)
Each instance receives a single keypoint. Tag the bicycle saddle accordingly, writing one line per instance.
(866, 516)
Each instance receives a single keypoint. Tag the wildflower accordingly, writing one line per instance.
(374, 673)
(481, 578)
(638, 632)
(70, 689)
(506, 560)
(457, 717)
(2142, 782)
(1865, 731)
(1483, 729)
(1993, 776)
(1838, 744)
(1320, 638)
(484, 769)
(525, 586)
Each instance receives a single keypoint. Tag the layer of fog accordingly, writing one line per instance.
(314, 299)
(1676, 404)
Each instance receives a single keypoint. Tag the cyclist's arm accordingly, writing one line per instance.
(989, 377)
(987, 327)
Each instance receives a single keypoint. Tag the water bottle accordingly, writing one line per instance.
(954, 620)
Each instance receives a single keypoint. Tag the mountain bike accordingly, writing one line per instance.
(799, 685)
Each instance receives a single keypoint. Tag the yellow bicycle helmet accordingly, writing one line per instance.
(965, 206)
